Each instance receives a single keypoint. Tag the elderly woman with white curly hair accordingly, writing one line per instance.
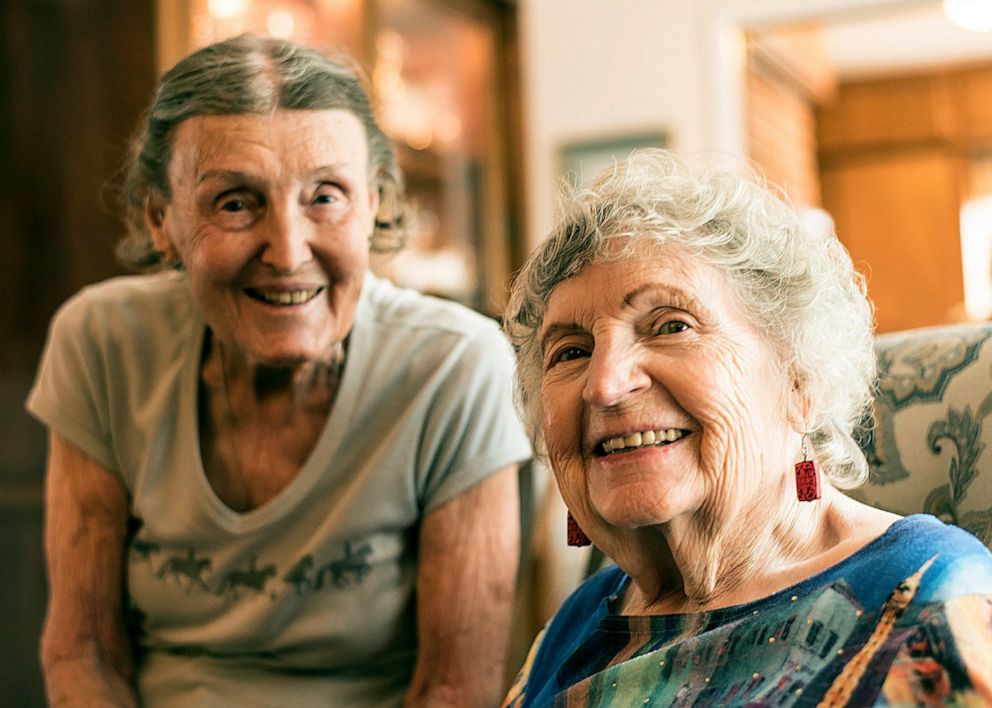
(694, 364)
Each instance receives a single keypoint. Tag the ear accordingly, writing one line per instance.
(374, 197)
(156, 219)
(799, 405)
(375, 200)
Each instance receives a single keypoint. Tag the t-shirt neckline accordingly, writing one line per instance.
(330, 439)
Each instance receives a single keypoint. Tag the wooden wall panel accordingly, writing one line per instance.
(781, 133)
(74, 77)
(890, 112)
(897, 214)
(788, 75)
(899, 157)
(973, 98)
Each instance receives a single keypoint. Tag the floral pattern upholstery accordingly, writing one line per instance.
(930, 445)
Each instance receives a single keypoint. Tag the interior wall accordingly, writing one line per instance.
(592, 68)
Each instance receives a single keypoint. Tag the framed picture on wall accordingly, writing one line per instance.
(581, 160)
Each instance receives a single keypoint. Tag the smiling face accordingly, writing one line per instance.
(660, 400)
(271, 216)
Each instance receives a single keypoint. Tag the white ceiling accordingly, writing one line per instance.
(914, 38)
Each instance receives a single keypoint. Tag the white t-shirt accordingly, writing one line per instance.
(309, 599)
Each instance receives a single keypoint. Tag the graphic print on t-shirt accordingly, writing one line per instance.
(188, 569)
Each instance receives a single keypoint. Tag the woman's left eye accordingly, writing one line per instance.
(234, 205)
(671, 327)
(327, 194)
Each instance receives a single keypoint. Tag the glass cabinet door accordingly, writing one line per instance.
(439, 74)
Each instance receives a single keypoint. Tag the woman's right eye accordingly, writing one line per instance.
(566, 353)
(236, 208)
(235, 204)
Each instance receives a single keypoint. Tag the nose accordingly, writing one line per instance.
(287, 235)
(615, 371)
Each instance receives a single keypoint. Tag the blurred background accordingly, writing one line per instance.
(872, 115)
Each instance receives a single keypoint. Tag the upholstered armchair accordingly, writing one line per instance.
(930, 448)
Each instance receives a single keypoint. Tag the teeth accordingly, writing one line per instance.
(286, 297)
(644, 439)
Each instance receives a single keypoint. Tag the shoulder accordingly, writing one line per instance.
(138, 324)
(928, 535)
(962, 565)
(950, 561)
(432, 339)
(403, 309)
(127, 303)
(574, 622)
(581, 612)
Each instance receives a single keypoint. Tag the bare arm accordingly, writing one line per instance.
(468, 565)
(86, 655)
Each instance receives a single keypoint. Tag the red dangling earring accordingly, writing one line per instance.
(807, 477)
(576, 536)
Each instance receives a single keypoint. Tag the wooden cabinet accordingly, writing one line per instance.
(972, 91)
(895, 158)
(896, 212)
(877, 114)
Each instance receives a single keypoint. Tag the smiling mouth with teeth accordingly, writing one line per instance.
(648, 438)
(283, 298)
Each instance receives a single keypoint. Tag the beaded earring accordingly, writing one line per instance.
(807, 477)
(576, 536)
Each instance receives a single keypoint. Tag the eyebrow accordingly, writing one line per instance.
(241, 176)
(337, 167)
(682, 298)
(233, 175)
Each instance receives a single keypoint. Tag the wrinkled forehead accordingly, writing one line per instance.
(630, 249)
(297, 139)
(626, 270)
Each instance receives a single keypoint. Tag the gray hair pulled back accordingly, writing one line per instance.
(249, 74)
(799, 287)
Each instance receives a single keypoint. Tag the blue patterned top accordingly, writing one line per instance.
(907, 620)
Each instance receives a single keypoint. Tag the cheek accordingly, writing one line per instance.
(738, 406)
(721, 389)
(561, 424)
(555, 429)
(345, 250)
(214, 258)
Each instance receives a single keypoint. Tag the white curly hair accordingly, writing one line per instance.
(799, 287)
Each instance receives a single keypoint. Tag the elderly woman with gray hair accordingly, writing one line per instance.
(274, 480)
(694, 364)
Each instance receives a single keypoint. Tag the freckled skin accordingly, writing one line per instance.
(282, 201)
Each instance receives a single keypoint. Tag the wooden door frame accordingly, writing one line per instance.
(722, 59)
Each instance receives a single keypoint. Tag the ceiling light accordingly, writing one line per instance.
(974, 15)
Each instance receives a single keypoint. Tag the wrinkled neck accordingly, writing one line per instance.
(708, 561)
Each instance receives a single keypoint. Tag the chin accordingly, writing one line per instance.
(634, 516)
(642, 508)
